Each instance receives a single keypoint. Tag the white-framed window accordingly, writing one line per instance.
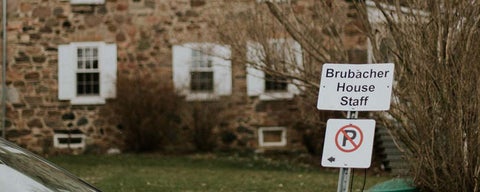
(278, 53)
(272, 136)
(69, 140)
(87, 72)
(202, 71)
(86, 2)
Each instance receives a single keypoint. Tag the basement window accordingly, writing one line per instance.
(273, 1)
(69, 139)
(272, 136)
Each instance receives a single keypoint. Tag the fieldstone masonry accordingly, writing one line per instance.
(144, 31)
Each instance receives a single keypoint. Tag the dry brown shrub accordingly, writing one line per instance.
(149, 113)
(436, 111)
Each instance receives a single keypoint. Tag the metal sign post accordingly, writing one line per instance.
(344, 179)
(346, 173)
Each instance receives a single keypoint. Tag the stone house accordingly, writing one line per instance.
(64, 57)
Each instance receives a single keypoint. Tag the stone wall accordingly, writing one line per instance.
(144, 31)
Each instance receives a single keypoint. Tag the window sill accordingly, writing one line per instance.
(276, 96)
(88, 100)
(273, 1)
(87, 2)
(273, 145)
(205, 96)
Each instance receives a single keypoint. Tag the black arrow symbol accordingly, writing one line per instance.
(331, 159)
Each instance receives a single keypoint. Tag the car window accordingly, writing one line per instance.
(24, 168)
(12, 180)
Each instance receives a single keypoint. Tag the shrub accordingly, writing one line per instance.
(312, 124)
(149, 113)
(312, 138)
(204, 118)
(436, 108)
(228, 137)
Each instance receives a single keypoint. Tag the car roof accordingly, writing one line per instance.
(22, 170)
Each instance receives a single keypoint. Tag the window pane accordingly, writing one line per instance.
(88, 77)
(95, 64)
(80, 78)
(80, 90)
(96, 88)
(209, 63)
(273, 83)
(272, 136)
(96, 83)
(200, 60)
(201, 81)
(79, 53)
(70, 140)
(195, 53)
(87, 52)
(88, 89)
(80, 64)
(80, 84)
(87, 58)
(88, 83)
(95, 78)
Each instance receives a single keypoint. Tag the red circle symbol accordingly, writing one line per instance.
(348, 139)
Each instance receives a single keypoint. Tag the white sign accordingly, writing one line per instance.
(355, 87)
(348, 143)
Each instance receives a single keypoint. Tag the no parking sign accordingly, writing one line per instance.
(349, 138)
(348, 143)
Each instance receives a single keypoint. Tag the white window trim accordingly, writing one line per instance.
(281, 143)
(58, 136)
(86, 2)
(256, 77)
(269, 96)
(107, 73)
(88, 100)
(375, 16)
(222, 72)
(202, 57)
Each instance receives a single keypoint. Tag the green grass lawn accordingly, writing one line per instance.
(151, 172)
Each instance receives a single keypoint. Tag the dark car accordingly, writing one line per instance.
(23, 171)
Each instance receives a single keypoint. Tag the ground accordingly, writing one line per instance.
(153, 172)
